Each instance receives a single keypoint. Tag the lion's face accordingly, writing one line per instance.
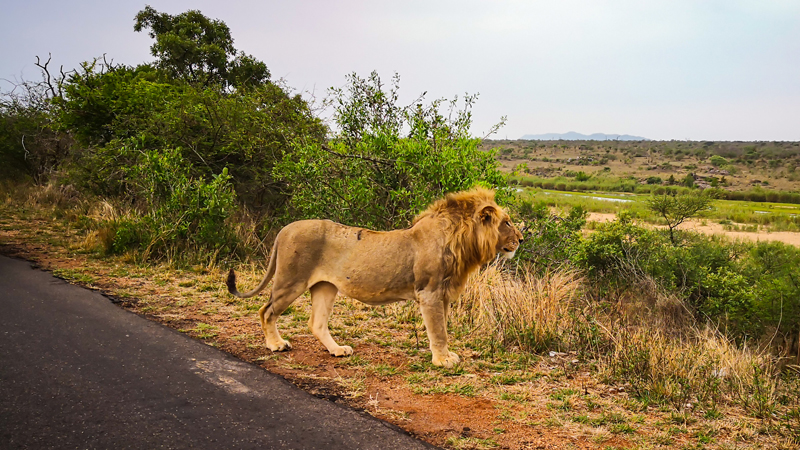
(510, 238)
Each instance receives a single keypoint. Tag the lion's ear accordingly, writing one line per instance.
(488, 214)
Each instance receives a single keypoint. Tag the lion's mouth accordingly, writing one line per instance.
(509, 254)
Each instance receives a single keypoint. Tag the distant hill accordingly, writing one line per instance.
(573, 136)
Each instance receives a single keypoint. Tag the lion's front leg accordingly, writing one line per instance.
(434, 313)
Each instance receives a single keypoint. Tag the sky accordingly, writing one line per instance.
(673, 69)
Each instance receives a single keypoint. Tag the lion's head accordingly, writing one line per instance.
(479, 228)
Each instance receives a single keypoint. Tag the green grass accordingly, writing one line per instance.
(202, 330)
(471, 443)
(775, 216)
(73, 276)
(464, 389)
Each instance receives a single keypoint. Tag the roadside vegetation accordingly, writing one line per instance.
(150, 181)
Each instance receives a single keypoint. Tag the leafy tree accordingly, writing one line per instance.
(194, 48)
(246, 131)
(202, 99)
(675, 209)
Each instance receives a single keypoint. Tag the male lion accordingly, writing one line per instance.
(429, 262)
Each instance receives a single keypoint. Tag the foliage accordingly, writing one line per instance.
(551, 240)
(718, 161)
(386, 163)
(178, 212)
(744, 289)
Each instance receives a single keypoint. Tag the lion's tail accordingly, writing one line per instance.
(231, 281)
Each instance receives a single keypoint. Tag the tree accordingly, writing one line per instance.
(676, 209)
(199, 50)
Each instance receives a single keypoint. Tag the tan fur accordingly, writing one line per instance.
(429, 263)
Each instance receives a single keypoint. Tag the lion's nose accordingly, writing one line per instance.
(521, 240)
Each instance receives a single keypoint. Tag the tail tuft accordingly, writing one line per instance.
(231, 282)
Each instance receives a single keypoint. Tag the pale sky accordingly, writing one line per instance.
(671, 69)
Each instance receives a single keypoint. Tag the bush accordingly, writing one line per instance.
(582, 176)
(30, 143)
(374, 175)
(178, 213)
(718, 161)
(246, 131)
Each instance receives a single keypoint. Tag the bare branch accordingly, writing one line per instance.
(46, 72)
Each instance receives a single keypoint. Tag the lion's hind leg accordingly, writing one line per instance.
(269, 313)
(323, 295)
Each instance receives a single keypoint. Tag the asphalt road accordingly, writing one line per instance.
(78, 372)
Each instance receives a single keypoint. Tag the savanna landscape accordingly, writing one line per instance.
(654, 303)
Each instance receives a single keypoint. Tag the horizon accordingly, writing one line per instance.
(678, 70)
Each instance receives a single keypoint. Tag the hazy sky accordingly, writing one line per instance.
(672, 69)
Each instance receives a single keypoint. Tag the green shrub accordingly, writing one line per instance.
(582, 176)
(654, 180)
(374, 175)
(718, 161)
(551, 240)
(177, 213)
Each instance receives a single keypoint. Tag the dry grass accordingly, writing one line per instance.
(645, 339)
(519, 310)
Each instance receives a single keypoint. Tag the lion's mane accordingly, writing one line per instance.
(470, 243)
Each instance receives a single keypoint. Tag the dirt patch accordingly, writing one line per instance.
(710, 228)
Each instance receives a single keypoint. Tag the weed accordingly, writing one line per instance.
(471, 443)
(621, 428)
(464, 389)
(73, 276)
(202, 330)
(383, 370)
(505, 379)
(563, 394)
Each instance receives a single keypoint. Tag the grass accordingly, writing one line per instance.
(74, 276)
(503, 326)
(202, 331)
(471, 443)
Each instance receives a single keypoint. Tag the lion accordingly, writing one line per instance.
(429, 263)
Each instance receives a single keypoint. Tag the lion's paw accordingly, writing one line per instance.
(447, 360)
(343, 350)
(280, 346)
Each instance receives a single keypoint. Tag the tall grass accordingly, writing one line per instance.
(645, 339)
(524, 311)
